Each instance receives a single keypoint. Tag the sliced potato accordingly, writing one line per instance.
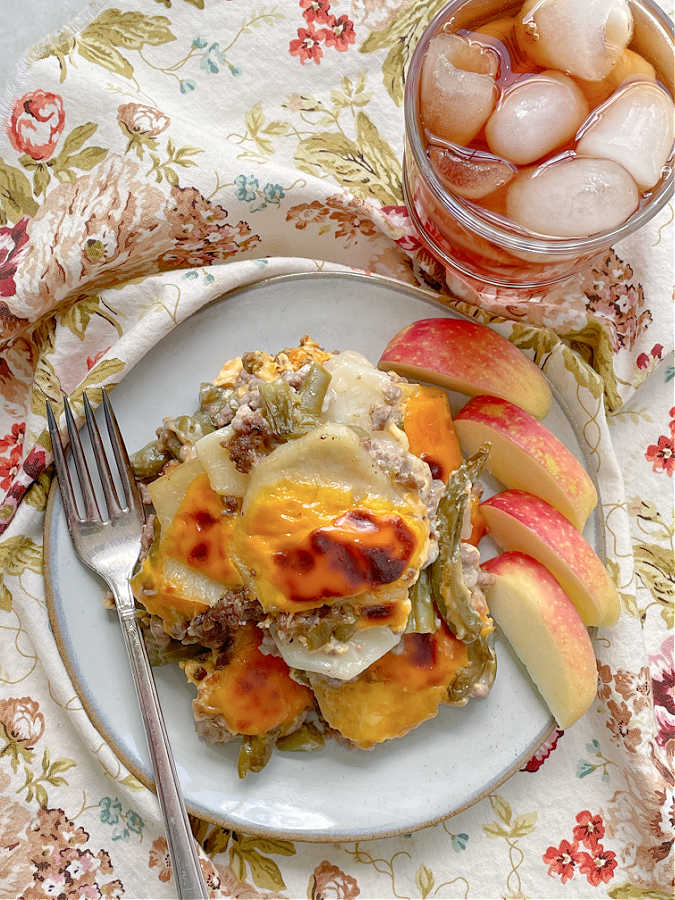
(168, 491)
(355, 655)
(223, 476)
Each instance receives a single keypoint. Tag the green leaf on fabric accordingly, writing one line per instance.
(101, 373)
(264, 871)
(655, 568)
(99, 41)
(45, 384)
(629, 891)
(540, 340)
(77, 138)
(38, 492)
(367, 167)
(401, 35)
(18, 554)
(41, 179)
(502, 808)
(86, 159)
(77, 316)
(16, 197)
(5, 597)
(592, 343)
(101, 53)
(524, 824)
(424, 879)
(216, 841)
(495, 830)
(582, 372)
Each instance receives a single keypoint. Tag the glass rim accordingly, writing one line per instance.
(524, 241)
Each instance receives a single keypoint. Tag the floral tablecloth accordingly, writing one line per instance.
(158, 153)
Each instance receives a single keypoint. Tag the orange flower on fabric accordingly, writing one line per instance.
(329, 881)
(11, 448)
(159, 856)
(562, 860)
(22, 720)
(598, 865)
(307, 45)
(340, 33)
(36, 124)
(590, 829)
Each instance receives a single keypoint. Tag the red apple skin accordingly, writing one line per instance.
(546, 632)
(470, 358)
(520, 521)
(538, 461)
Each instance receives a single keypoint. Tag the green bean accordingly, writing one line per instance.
(213, 399)
(256, 751)
(148, 461)
(306, 738)
(292, 414)
(278, 406)
(450, 594)
(422, 618)
(313, 391)
(481, 666)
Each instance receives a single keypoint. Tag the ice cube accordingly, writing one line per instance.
(630, 65)
(470, 173)
(635, 129)
(581, 37)
(458, 89)
(535, 116)
(572, 197)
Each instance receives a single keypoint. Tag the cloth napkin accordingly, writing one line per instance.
(161, 152)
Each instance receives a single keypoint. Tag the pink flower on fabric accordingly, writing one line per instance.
(642, 361)
(307, 45)
(13, 240)
(36, 124)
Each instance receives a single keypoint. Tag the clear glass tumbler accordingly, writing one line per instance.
(465, 238)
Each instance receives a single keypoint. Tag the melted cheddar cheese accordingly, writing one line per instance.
(306, 544)
(397, 693)
(163, 597)
(200, 534)
(253, 692)
(428, 425)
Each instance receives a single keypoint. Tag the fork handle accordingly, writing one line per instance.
(185, 861)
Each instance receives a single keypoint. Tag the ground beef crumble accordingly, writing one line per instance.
(252, 438)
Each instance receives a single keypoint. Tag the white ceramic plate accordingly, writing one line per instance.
(336, 793)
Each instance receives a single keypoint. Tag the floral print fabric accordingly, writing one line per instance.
(160, 152)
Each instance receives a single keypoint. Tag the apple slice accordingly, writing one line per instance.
(470, 358)
(526, 455)
(546, 632)
(520, 521)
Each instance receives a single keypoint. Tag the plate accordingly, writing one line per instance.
(336, 793)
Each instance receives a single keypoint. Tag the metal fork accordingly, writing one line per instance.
(110, 546)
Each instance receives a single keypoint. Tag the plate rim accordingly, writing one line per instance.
(544, 735)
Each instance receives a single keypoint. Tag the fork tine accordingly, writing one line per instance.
(123, 464)
(62, 473)
(91, 509)
(114, 507)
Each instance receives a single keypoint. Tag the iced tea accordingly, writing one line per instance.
(552, 124)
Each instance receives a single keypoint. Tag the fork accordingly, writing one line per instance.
(110, 546)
